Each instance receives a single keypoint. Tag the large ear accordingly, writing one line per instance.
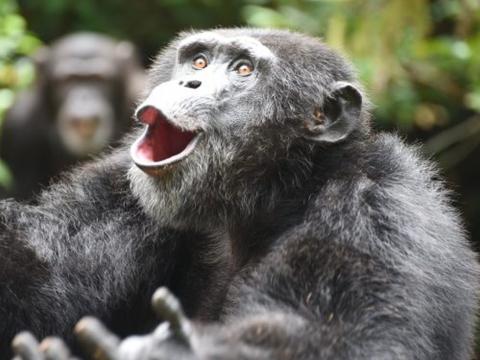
(134, 76)
(41, 60)
(338, 117)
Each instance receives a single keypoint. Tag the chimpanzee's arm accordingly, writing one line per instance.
(85, 248)
(323, 302)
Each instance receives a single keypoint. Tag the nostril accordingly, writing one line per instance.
(193, 84)
(148, 115)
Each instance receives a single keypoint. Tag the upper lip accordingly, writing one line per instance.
(163, 142)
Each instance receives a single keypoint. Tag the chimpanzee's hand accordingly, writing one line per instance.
(170, 340)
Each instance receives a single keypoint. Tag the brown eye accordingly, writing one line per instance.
(244, 69)
(199, 62)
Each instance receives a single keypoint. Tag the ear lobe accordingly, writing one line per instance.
(42, 57)
(339, 116)
(41, 60)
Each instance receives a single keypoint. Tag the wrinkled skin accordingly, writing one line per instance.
(287, 230)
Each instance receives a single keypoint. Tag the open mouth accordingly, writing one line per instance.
(162, 143)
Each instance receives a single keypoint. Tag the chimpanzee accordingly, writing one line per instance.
(81, 102)
(260, 196)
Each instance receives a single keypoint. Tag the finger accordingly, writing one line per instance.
(167, 306)
(97, 339)
(25, 346)
(54, 349)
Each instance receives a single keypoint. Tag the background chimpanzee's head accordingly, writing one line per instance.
(90, 83)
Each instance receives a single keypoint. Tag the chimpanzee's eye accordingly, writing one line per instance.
(244, 68)
(199, 62)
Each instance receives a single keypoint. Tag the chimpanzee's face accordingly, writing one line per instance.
(215, 89)
(84, 88)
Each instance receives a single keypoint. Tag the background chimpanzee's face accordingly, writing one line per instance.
(86, 78)
(85, 114)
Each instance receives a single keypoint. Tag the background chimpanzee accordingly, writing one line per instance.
(81, 102)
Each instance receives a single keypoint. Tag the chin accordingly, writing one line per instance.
(172, 197)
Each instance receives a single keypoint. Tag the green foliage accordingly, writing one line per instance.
(16, 71)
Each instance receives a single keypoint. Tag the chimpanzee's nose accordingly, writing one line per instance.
(193, 84)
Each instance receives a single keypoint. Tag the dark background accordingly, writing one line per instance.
(419, 59)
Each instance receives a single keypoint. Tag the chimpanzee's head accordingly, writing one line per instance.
(90, 82)
(233, 115)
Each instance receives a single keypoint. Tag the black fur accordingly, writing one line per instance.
(298, 248)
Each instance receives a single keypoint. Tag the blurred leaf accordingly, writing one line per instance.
(16, 71)
(28, 44)
(336, 32)
(472, 100)
(264, 17)
(6, 180)
(6, 99)
(13, 25)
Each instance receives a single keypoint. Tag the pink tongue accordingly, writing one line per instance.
(163, 140)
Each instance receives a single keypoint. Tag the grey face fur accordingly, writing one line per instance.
(296, 96)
